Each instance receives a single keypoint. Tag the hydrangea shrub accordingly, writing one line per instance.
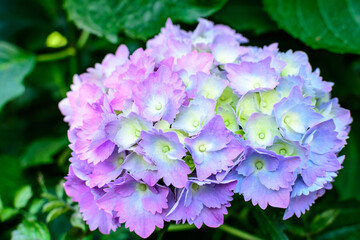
(171, 132)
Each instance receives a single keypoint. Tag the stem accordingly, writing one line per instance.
(64, 156)
(73, 65)
(238, 233)
(42, 182)
(82, 39)
(162, 232)
(180, 227)
(47, 57)
(306, 226)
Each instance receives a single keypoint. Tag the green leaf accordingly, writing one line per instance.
(41, 151)
(16, 21)
(323, 220)
(330, 24)
(7, 213)
(49, 196)
(136, 18)
(1, 205)
(15, 64)
(36, 205)
(52, 205)
(269, 226)
(244, 15)
(120, 234)
(56, 213)
(347, 182)
(76, 221)
(296, 230)
(10, 178)
(347, 213)
(30, 230)
(59, 189)
(348, 233)
(22, 196)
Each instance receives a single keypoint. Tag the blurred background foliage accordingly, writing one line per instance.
(43, 43)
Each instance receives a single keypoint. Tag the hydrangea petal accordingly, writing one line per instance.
(192, 118)
(87, 197)
(261, 129)
(125, 131)
(295, 115)
(166, 152)
(138, 168)
(214, 149)
(195, 199)
(248, 76)
(160, 96)
(141, 217)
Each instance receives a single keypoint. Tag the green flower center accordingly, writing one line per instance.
(141, 187)
(283, 151)
(194, 187)
(202, 148)
(256, 85)
(261, 135)
(137, 133)
(227, 123)
(158, 106)
(165, 149)
(287, 120)
(259, 165)
(195, 123)
(120, 160)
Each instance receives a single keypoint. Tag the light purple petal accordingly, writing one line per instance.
(295, 115)
(130, 209)
(322, 138)
(166, 152)
(299, 204)
(214, 149)
(248, 76)
(253, 190)
(141, 169)
(192, 118)
(107, 170)
(159, 96)
(86, 197)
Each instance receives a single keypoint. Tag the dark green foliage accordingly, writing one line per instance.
(41, 151)
(30, 230)
(15, 64)
(35, 76)
(272, 227)
(10, 178)
(136, 18)
(329, 24)
(243, 15)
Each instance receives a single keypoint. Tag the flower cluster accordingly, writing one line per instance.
(171, 132)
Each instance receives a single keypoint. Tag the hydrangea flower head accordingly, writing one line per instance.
(169, 133)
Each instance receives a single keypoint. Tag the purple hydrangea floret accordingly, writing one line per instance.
(203, 202)
(213, 149)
